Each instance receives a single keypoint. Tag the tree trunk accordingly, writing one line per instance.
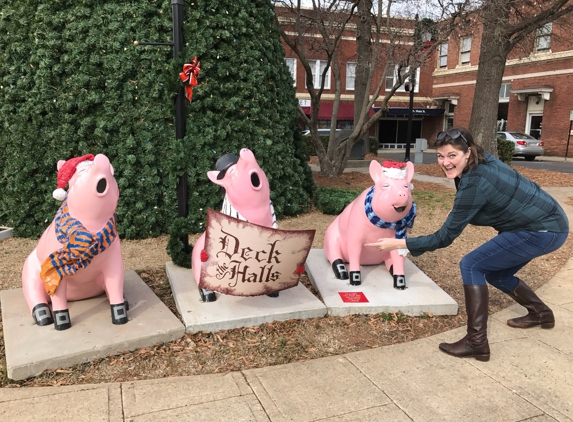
(495, 47)
(363, 61)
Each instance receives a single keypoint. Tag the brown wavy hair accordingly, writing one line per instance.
(463, 143)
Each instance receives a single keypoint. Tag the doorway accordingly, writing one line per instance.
(534, 125)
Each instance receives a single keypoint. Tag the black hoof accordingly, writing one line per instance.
(207, 295)
(391, 270)
(62, 320)
(119, 314)
(42, 314)
(339, 269)
(355, 279)
(275, 294)
(400, 282)
(126, 303)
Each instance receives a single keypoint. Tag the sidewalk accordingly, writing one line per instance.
(529, 377)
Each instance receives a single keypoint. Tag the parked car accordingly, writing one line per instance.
(320, 131)
(526, 146)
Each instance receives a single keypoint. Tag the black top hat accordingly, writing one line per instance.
(223, 163)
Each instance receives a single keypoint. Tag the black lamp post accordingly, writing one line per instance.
(177, 44)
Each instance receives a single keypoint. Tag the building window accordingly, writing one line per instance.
(291, 64)
(543, 37)
(392, 79)
(465, 50)
(350, 75)
(444, 55)
(317, 67)
(504, 93)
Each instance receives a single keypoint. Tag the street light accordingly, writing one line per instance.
(424, 39)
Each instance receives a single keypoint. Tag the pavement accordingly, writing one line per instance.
(529, 378)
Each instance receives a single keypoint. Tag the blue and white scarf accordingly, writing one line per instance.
(400, 226)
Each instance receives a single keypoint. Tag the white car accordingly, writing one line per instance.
(526, 146)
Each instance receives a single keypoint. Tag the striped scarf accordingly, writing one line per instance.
(400, 226)
(80, 247)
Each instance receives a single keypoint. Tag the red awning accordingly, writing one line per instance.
(345, 111)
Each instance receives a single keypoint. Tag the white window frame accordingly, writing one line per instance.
(443, 56)
(350, 75)
(317, 67)
(402, 87)
(504, 92)
(465, 50)
(292, 68)
(543, 37)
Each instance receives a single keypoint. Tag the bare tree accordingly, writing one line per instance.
(506, 24)
(384, 43)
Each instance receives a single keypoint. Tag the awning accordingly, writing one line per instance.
(345, 111)
(542, 91)
(404, 111)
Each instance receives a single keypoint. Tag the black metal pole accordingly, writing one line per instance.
(568, 138)
(412, 84)
(182, 195)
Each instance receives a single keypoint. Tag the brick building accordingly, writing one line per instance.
(536, 95)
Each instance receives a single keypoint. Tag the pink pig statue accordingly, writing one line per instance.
(247, 197)
(384, 210)
(79, 254)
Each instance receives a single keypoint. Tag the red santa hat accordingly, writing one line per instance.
(65, 174)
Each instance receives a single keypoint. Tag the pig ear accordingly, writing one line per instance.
(60, 164)
(409, 171)
(212, 175)
(376, 171)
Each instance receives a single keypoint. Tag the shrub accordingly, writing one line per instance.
(374, 145)
(333, 200)
(505, 150)
(310, 149)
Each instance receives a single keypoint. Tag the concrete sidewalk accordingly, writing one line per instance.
(529, 378)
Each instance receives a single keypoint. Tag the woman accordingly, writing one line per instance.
(530, 224)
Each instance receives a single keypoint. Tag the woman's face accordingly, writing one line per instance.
(452, 160)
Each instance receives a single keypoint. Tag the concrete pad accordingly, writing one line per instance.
(428, 385)
(315, 390)
(558, 337)
(31, 349)
(203, 397)
(59, 404)
(5, 232)
(537, 372)
(422, 294)
(229, 312)
(559, 290)
(386, 413)
(497, 332)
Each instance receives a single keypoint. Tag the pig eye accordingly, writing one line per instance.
(255, 181)
(385, 185)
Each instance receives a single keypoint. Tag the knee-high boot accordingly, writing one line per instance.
(475, 343)
(538, 312)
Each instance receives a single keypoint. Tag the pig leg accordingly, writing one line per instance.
(397, 270)
(34, 292)
(113, 285)
(205, 294)
(354, 252)
(62, 319)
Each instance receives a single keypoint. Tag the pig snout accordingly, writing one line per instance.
(103, 172)
(401, 201)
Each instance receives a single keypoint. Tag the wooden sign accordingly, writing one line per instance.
(244, 259)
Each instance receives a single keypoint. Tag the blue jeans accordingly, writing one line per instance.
(498, 259)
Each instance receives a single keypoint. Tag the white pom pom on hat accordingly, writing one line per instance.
(65, 174)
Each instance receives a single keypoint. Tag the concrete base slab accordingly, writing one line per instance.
(31, 349)
(229, 312)
(5, 232)
(377, 288)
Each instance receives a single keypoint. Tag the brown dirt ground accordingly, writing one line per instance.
(295, 340)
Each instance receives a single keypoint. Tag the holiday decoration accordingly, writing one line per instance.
(79, 254)
(384, 210)
(247, 198)
(189, 77)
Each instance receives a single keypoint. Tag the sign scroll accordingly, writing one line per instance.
(244, 259)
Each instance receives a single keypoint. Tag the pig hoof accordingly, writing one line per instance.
(391, 270)
(340, 269)
(355, 279)
(274, 294)
(42, 314)
(207, 295)
(62, 320)
(119, 314)
(126, 303)
(400, 282)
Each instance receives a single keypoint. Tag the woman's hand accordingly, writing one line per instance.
(388, 244)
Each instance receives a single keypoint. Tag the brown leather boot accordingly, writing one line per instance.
(474, 344)
(539, 312)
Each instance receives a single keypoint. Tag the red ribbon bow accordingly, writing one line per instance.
(189, 77)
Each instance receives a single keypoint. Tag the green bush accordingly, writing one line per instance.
(310, 150)
(333, 200)
(72, 82)
(374, 145)
(505, 150)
